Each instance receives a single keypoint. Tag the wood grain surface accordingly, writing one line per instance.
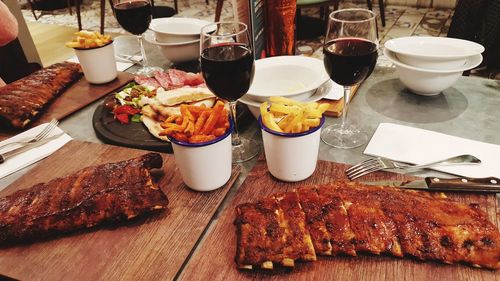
(76, 97)
(214, 258)
(150, 248)
(336, 106)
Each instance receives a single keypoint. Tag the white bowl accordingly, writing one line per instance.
(439, 53)
(429, 82)
(177, 52)
(175, 30)
(294, 77)
(254, 106)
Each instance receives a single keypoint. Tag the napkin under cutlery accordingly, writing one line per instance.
(31, 156)
(419, 146)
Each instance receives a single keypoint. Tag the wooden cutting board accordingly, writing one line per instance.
(214, 258)
(336, 106)
(152, 248)
(77, 96)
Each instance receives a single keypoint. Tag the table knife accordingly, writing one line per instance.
(462, 184)
(9, 154)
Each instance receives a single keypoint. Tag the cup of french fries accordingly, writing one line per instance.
(201, 140)
(291, 135)
(96, 56)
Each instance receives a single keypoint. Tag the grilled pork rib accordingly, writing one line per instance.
(97, 194)
(22, 100)
(346, 218)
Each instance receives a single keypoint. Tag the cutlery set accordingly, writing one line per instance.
(485, 185)
(40, 139)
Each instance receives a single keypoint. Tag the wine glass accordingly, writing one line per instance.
(227, 64)
(135, 16)
(350, 53)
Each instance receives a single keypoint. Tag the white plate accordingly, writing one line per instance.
(470, 63)
(434, 47)
(178, 26)
(294, 77)
(254, 106)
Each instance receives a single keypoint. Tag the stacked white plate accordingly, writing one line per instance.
(429, 65)
(296, 77)
(177, 38)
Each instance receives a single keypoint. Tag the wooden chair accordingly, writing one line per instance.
(381, 6)
(324, 6)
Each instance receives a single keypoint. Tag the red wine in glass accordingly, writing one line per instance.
(349, 61)
(228, 69)
(134, 16)
(350, 55)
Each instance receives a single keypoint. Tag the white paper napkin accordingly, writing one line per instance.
(120, 66)
(418, 146)
(336, 92)
(33, 155)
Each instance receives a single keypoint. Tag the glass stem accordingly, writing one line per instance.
(143, 52)
(236, 137)
(347, 96)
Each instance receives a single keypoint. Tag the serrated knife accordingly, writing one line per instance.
(462, 184)
(22, 149)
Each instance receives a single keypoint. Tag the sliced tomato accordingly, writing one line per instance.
(126, 109)
(123, 118)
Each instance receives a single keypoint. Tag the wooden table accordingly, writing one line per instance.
(469, 109)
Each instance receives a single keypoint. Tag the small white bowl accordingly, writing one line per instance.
(438, 53)
(254, 106)
(291, 156)
(294, 77)
(177, 52)
(175, 30)
(429, 82)
(204, 166)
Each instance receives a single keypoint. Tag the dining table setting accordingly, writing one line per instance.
(174, 154)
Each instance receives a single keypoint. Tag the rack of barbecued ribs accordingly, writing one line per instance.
(92, 196)
(347, 218)
(22, 100)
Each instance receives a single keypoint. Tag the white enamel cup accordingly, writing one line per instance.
(98, 64)
(204, 166)
(291, 156)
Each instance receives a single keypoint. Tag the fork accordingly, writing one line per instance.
(45, 132)
(376, 164)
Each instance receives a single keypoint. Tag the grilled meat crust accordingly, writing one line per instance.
(91, 196)
(22, 100)
(346, 218)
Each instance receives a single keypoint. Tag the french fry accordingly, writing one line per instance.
(197, 124)
(212, 119)
(281, 108)
(201, 138)
(180, 137)
(290, 116)
(201, 121)
(219, 131)
(190, 128)
(88, 39)
(282, 100)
